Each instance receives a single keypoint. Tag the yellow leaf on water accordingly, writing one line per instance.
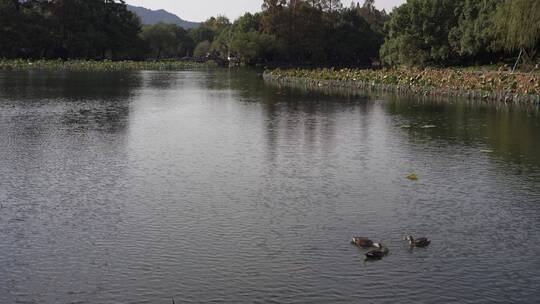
(413, 176)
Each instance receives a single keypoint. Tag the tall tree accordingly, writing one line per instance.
(209, 29)
(10, 22)
(374, 17)
(417, 32)
(353, 41)
(161, 39)
(245, 41)
(474, 37)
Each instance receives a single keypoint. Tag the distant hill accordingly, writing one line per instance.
(152, 17)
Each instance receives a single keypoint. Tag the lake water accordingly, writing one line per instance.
(212, 187)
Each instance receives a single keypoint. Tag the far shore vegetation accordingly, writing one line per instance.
(487, 84)
(416, 40)
(101, 65)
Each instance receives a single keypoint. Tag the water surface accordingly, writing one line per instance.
(210, 186)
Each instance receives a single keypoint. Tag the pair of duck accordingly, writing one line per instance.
(379, 250)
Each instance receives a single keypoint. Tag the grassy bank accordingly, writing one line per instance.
(105, 65)
(492, 85)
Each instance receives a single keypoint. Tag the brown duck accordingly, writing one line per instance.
(419, 242)
(362, 242)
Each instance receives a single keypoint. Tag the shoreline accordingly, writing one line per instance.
(370, 81)
(97, 65)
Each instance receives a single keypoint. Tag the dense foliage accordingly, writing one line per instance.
(449, 32)
(285, 32)
(101, 65)
(294, 32)
(518, 25)
(68, 29)
(323, 32)
(166, 41)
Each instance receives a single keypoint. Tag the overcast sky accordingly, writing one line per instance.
(200, 10)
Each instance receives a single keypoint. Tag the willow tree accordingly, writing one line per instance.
(518, 25)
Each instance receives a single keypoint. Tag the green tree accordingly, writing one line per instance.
(417, 32)
(299, 27)
(253, 47)
(24, 29)
(474, 37)
(201, 34)
(374, 17)
(353, 42)
(167, 40)
(10, 34)
(245, 40)
(202, 49)
(209, 29)
(160, 38)
(92, 28)
(321, 32)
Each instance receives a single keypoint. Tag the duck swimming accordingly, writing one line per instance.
(362, 242)
(419, 242)
(378, 253)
